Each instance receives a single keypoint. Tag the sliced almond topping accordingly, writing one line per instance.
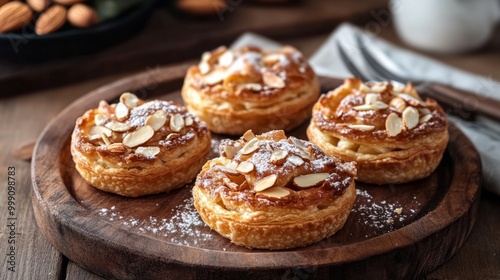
(393, 124)
(157, 120)
(214, 77)
(295, 160)
(245, 167)
(100, 119)
(347, 145)
(249, 135)
(271, 58)
(118, 126)
(410, 117)
(105, 139)
(398, 104)
(265, 183)
(251, 146)
(364, 88)
(226, 58)
(299, 143)
(148, 152)
(364, 107)
(172, 136)
(97, 130)
(188, 121)
(206, 56)
(362, 127)
(138, 137)
(279, 156)
(117, 148)
(412, 100)
(230, 184)
(251, 86)
(232, 165)
(380, 105)
(424, 111)
(204, 67)
(371, 98)
(425, 118)
(310, 180)
(230, 151)
(129, 99)
(276, 192)
(121, 111)
(379, 87)
(176, 122)
(272, 80)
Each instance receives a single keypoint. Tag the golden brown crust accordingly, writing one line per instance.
(392, 134)
(309, 197)
(155, 147)
(249, 88)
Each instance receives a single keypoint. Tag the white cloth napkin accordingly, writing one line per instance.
(484, 133)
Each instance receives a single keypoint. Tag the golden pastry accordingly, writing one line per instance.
(135, 148)
(270, 192)
(392, 134)
(249, 88)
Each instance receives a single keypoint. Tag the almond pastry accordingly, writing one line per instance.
(393, 135)
(135, 148)
(297, 198)
(250, 88)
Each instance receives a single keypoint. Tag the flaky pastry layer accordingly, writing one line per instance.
(249, 88)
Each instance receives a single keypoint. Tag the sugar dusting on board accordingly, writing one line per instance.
(184, 227)
(381, 216)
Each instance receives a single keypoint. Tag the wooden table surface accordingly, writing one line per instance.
(23, 117)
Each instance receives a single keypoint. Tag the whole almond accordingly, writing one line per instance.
(68, 2)
(51, 20)
(14, 15)
(38, 5)
(81, 15)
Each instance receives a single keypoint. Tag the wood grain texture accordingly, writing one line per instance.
(170, 38)
(159, 237)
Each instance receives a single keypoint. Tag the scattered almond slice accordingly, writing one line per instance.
(226, 59)
(230, 151)
(425, 118)
(251, 86)
(121, 111)
(188, 121)
(295, 160)
(105, 139)
(138, 137)
(278, 156)
(412, 100)
(117, 148)
(232, 165)
(250, 146)
(248, 135)
(265, 183)
(176, 122)
(310, 180)
(410, 117)
(380, 105)
(398, 104)
(230, 184)
(276, 192)
(299, 143)
(172, 136)
(96, 131)
(148, 152)
(364, 87)
(100, 119)
(129, 99)
(157, 120)
(393, 125)
(245, 167)
(204, 67)
(379, 87)
(398, 210)
(364, 107)
(206, 56)
(271, 58)
(371, 98)
(361, 127)
(118, 126)
(272, 80)
(424, 111)
(214, 78)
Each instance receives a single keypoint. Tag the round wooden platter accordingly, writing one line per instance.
(393, 231)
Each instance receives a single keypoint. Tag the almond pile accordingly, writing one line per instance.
(297, 155)
(252, 70)
(112, 127)
(407, 110)
(51, 15)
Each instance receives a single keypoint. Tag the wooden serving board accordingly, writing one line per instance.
(393, 231)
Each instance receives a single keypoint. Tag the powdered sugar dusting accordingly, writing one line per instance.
(184, 226)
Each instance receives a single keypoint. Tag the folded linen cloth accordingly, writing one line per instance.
(484, 133)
